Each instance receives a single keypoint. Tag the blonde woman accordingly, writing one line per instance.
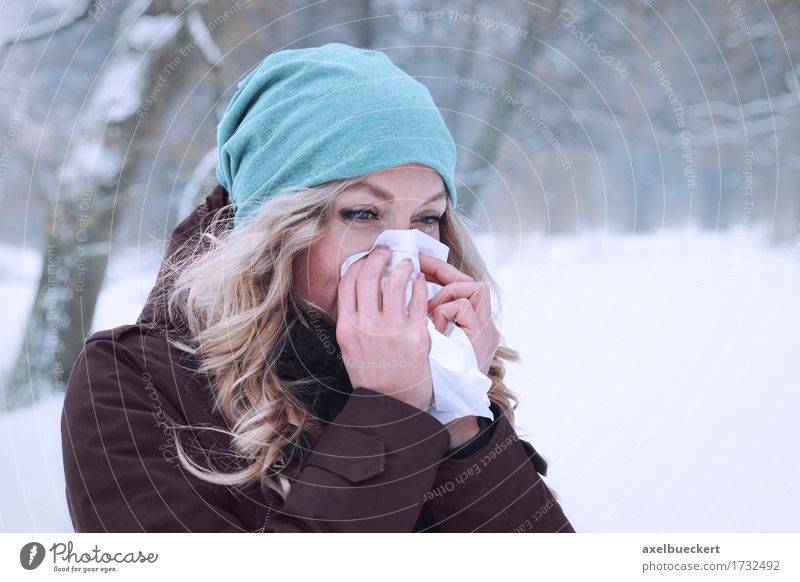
(248, 396)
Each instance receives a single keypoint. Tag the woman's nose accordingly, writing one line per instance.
(401, 223)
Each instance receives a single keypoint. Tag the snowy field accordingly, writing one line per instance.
(660, 379)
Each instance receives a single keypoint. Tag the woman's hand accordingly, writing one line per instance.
(384, 349)
(465, 302)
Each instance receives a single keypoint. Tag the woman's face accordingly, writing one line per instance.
(403, 197)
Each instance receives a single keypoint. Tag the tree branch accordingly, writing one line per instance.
(50, 26)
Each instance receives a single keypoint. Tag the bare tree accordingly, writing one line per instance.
(144, 71)
(497, 119)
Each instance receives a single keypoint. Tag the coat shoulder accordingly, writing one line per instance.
(112, 358)
(125, 333)
(150, 346)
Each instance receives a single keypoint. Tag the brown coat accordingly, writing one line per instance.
(379, 465)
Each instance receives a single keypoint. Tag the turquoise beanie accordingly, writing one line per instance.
(304, 117)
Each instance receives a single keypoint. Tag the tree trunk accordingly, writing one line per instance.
(98, 167)
(499, 117)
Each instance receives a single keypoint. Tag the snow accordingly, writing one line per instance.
(23, 20)
(151, 32)
(92, 160)
(33, 478)
(658, 379)
(121, 83)
(202, 37)
(120, 88)
(19, 274)
(129, 280)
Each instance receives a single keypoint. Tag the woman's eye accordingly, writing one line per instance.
(431, 220)
(366, 214)
(359, 215)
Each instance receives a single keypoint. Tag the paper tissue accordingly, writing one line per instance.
(459, 387)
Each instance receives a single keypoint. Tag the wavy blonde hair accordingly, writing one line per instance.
(233, 289)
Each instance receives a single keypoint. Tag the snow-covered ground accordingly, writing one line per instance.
(660, 379)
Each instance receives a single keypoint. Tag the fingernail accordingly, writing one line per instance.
(382, 247)
(406, 259)
(421, 276)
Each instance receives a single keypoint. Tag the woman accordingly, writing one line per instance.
(240, 399)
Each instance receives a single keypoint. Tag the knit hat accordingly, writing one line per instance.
(306, 116)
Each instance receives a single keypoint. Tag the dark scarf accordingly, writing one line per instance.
(311, 359)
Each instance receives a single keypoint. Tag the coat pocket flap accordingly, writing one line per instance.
(354, 455)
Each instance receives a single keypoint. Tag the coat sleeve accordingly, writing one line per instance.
(495, 488)
(368, 469)
(119, 473)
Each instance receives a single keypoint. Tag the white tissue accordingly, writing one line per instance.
(459, 387)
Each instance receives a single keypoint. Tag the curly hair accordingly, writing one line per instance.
(233, 289)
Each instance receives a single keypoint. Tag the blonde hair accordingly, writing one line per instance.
(233, 289)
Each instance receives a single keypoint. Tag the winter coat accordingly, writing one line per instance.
(378, 465)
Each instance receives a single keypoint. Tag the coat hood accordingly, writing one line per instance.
(154, 314)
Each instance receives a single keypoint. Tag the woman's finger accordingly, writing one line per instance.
(368, 281)
(347, 289)
(459, 312)
(484, 338)
(477, 294)
(418, 306)
(394, 291)
(441, 272)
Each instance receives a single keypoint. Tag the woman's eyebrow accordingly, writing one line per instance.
(379, 192)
